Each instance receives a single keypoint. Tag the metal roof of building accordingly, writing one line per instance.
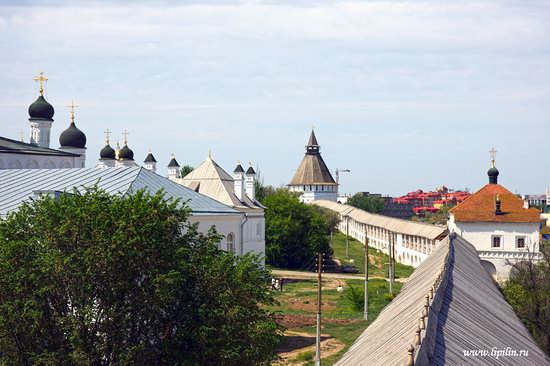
(19, 185)
(9, 146)
(389, 223)
(467, 312)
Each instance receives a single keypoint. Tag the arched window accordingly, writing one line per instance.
(32, 164)
(15, 164)
(231, 242)
(48, 164)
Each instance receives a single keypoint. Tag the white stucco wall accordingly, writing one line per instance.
(231, 224)
(31, 161)
(480, 234)
(317, 192)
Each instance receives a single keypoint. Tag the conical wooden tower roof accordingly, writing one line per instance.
(312, 169)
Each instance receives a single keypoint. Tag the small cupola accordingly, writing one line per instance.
(72, 137)
(41, 109)
(174, 171)
(498, 210)
(125, 153)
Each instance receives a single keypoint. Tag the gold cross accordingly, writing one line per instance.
(493, 153)
(41, 79)
(125, 133)
(107, 132)
(72, 108)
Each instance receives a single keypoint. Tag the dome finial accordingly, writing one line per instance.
(72, 107)
(209, 154)
(125, 133)
(107, 132)
(493, 171)
(493, 153)
(40, 78)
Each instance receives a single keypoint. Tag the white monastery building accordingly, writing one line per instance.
(501, 226)
(237, 191)
(37, 153)
(313, 178)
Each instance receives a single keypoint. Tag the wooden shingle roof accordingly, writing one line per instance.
(312, 169)
(467, 313)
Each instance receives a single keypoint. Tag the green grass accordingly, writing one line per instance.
(304, 292)
(357, 253)
(305, 356)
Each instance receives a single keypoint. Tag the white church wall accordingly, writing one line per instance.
(481, 234)
(33, 161)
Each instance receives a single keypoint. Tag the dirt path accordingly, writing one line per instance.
(341, 276)
(306, 343)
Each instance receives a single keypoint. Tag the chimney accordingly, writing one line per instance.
(250, 183)
(238, 181)
(498, 211)
(525, 204)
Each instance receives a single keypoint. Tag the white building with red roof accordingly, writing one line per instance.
(502, 227)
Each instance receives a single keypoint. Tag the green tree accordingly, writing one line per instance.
(436, 218)
(262, 190)
(96, 279)
(528, 291)
(295, 232)
(186, 169)
(370, 204)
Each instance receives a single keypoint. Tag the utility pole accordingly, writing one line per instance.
(318, 335)
(390, 265)
(366, 306)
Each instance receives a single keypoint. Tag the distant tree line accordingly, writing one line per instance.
(372, 204)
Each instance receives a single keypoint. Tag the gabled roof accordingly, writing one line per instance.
(406, 227)
(211, 180)
(19, 185)
(312, 169)
(480, 207)
(10, 146)
(468, 312)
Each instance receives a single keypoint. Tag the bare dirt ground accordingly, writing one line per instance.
(298, 343)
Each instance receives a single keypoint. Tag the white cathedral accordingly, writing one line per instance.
(215, 198)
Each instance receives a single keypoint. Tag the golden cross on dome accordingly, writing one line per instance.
(493, 153)
(125, 133)
(72, 107)
(107, 132)
(41, 79)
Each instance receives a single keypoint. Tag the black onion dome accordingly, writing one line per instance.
(107, 152)
(41, 109)
(126, 153)
(493, 175)
(72, 137)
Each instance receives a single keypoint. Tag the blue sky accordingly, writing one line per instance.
(406, 95)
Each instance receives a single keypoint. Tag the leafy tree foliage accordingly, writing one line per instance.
(295, 232)
(437, 218)
(528, 291)
(96, 279)
(262, 190)
(370, 204)
(186, 169)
